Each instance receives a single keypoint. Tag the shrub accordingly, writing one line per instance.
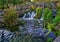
(10, 19)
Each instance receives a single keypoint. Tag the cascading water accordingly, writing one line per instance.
(33, 27)
(29, 15)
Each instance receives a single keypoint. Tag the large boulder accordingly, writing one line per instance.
(57, 39)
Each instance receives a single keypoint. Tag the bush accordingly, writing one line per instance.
(10, 19)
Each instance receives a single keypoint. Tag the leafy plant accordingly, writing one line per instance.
(10, 18)
(3, 4)
(47, 14)
(57, 18)
(16, 2)
(46, 11)
(58, 32)
(32, 7)
(49, 40)
(47, 17)
(38, 12)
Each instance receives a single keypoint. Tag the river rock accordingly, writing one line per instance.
(57, 39)
(58, 27)
(51, 35)
(5, 35)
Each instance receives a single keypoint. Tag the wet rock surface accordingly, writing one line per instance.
(57, 39)
(5, 35)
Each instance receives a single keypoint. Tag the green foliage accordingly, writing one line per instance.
(32, 7)
(46, 11)
(48, 21)
(3, 4)
(57, 18)
(10, 18)
(16, 2)
(49, 40)
(51, 26)
(47, 14)
(38, 13)
(47, 17)
(58, 32)
(38, 10)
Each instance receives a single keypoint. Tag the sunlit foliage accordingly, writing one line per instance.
(32, 7)
(38, 12)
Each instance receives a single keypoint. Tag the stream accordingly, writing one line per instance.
(33, 27)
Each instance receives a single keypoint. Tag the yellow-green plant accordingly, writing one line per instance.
(10, 19)
(38, 12)
(46, 11)
(32, 7)
(50, 27)
(47, 16)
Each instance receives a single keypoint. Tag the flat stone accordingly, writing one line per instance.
(57, 39)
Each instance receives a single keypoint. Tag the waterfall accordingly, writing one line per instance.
(29, 15)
